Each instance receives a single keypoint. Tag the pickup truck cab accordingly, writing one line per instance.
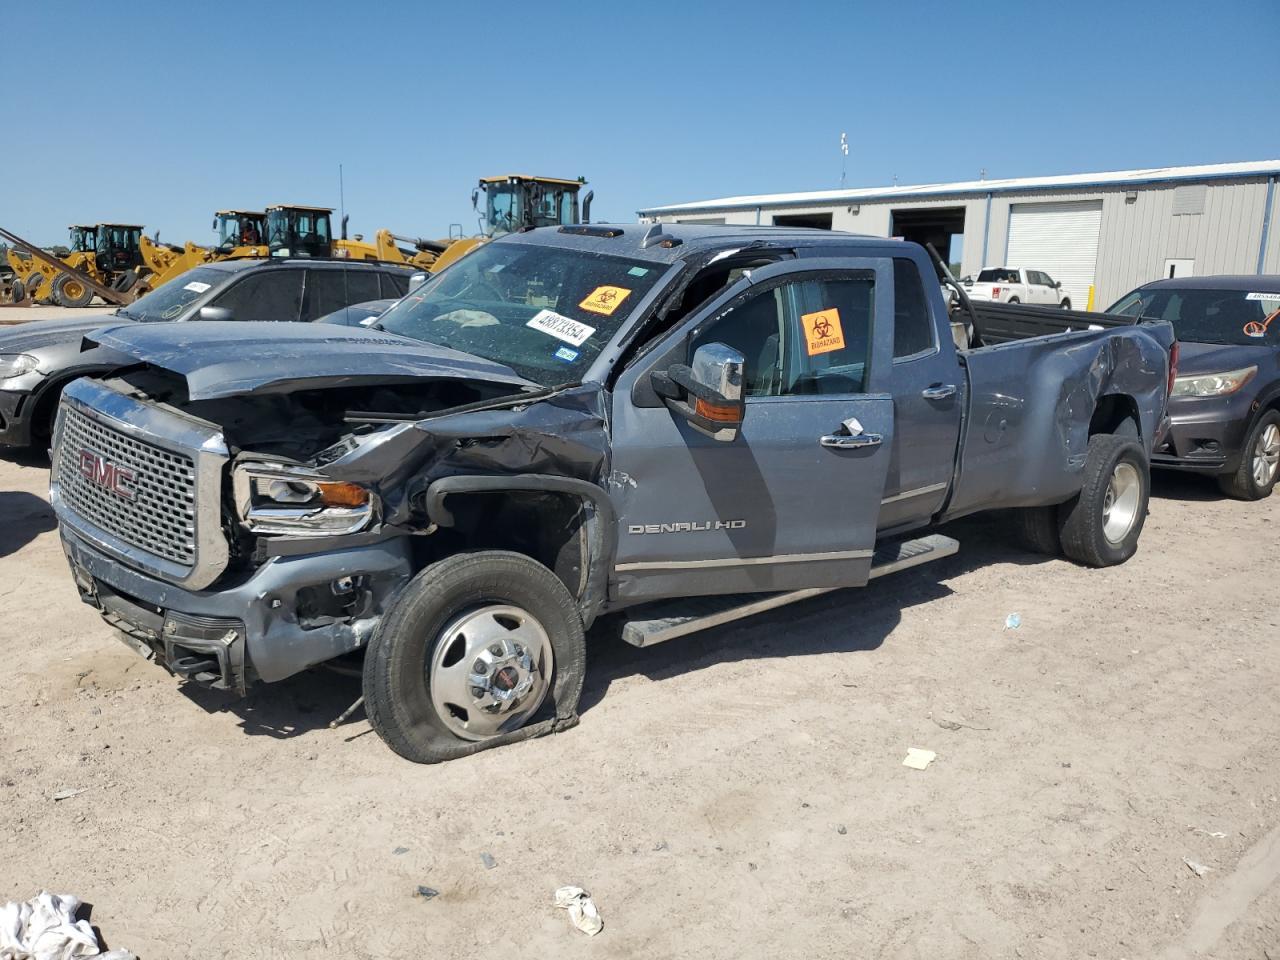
(684, 424)
(1016, 285)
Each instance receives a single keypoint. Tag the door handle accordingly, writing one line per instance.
(940, 392)
(843, 441)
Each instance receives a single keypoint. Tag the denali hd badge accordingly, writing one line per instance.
(101, 472)
(692, 526)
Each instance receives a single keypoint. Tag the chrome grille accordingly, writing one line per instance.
(160, 518)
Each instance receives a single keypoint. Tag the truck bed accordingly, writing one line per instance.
(1003, 322)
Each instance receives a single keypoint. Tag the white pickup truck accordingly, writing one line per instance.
(1015, 285)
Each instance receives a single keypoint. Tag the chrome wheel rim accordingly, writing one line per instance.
(1266, 455)
(489, 671)
(1121, 502)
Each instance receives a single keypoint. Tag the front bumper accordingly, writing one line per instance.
(15, 418)
(1205, 435)
(265, 627)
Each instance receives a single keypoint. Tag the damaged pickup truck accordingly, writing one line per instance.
(683, 424)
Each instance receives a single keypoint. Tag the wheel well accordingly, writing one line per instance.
(46, 407)
(1116, 413)
(548, 527)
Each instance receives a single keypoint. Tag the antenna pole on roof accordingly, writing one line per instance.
(342, 200)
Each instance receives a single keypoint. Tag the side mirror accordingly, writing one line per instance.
(215, 313)
(707, 392)
(1057, 285)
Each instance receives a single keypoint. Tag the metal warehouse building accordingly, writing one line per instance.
(1100, 234)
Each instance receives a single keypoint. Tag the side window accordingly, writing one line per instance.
(269, 295)
(326, 292)
(801, 337)
(394, 285)
(1046, 280)
(913, 331)
(362, 285)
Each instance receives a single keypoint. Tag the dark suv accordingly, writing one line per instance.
(1224, 409)
(38, 359)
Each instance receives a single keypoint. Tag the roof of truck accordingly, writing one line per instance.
(1250, 282)
(626, 239)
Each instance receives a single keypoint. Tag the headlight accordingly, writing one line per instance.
(15, 365)
(1212, 384)
(293, 501)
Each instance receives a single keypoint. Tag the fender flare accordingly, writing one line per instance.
(602, 529)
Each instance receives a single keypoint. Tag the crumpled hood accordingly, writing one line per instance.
(1196, 358)
(223, 359)
(26, 337)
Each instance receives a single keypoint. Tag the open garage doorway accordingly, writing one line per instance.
(820, 220)
(941, 226)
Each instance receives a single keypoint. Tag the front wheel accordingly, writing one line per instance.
(1014, 300)
(1101, 526)
(71, 291)
(1066, 304)
(475, 647)
(1255, 478)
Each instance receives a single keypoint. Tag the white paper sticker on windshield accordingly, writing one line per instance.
(195, 286)
(1263, 296)
(561, 327)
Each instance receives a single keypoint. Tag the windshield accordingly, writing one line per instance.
(298, 233)
(1236, 317)
(169, 300)
(998, 275)
(83, 240)
(238, 230)
(546, 312)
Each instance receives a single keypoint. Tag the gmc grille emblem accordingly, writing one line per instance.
(101, 472)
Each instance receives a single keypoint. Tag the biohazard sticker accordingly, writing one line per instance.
(561, 327)
(605, 300)
(822, 332)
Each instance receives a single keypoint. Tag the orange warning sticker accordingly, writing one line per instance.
(605, 300)
(822, 332)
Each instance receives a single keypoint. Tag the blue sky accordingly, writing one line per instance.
(171, 111)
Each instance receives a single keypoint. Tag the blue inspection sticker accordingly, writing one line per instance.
(637, 271)
(565, 354)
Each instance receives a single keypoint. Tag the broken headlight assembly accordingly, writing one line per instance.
(1212, 384)
(16, 364)
(293, 501)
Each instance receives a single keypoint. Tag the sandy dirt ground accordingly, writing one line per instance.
(739, 793)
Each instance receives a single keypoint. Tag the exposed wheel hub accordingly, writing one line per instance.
(490, 671)
(1121, 502)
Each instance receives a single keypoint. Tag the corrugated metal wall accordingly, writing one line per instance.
(1135, 238)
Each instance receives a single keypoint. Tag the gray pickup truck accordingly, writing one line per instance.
(683, 424)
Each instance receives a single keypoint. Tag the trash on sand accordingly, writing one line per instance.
(426, 893)
(918, 759)
(1199, 869)
(1013, 621)
(399, 851)
(69, 793)
(488, 861)
(842, 830)
(582, 909)
(45, 928)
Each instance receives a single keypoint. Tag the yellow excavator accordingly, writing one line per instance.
(107, 253)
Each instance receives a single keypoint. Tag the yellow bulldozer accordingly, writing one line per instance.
(106, 253)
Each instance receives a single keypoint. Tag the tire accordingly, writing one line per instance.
(1013, 300)
(1255, 478)
(1065, 304)
(69, 291)
(124, 283)
(1101, 526)
(17, 292)
(416, 667)
(1037, 528)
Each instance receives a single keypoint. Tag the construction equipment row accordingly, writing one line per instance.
(119, 262)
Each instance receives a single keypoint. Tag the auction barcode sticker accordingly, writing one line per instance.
(195, 286)
(561, 327)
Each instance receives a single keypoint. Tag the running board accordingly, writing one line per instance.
(669, 619)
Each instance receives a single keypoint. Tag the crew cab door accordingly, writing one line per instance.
(792, 500)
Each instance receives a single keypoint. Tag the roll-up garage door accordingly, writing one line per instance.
(1059, 238)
